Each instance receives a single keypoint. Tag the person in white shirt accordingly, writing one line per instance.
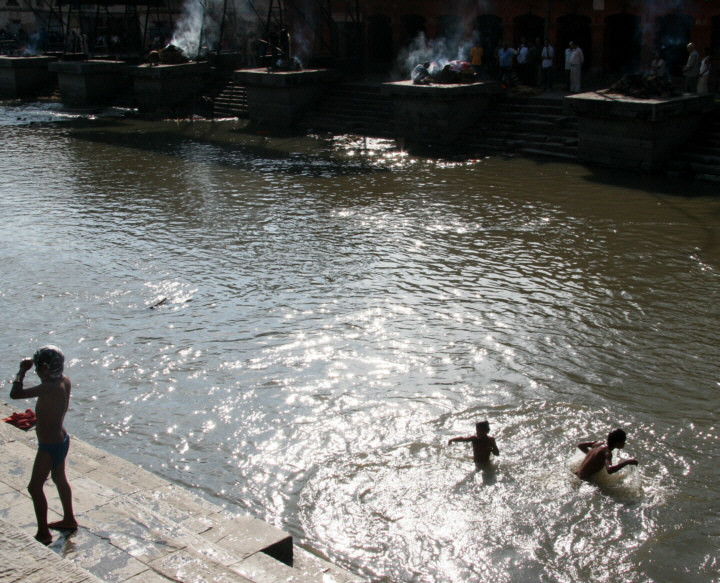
(691, 70)
(546, 56)
(704, 75)
(577, 58)
(522, 54)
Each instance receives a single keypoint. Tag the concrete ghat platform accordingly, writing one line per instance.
(628, 132)
(438, 113)
(277, 99)
(84, 83)
(136, 527)
(25, 76)
(157, 86)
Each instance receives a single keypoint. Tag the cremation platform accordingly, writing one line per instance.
(278, 99)
(438, 113)
(159, 86)
(85, 83)
(26, 76)
(628, 132)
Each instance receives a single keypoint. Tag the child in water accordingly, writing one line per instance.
(598, 455)
(483, 444)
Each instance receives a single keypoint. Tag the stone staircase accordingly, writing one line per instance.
(231, 101)
(530, 125)
(352, 108)
(136, 527)
(700, 158)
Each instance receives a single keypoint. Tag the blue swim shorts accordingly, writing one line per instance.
(58, 451)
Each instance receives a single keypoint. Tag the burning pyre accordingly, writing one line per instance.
(644, 87)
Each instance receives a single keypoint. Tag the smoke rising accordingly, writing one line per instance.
(198, 28)
(438, 52)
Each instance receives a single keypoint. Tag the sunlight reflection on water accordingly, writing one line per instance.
(335, 309)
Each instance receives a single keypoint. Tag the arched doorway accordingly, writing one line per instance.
(576, 28)
(622, 44)
(672, 34)
(450, 27)
(489, 27)
(529, 27)
(413, 24)
(380, 41)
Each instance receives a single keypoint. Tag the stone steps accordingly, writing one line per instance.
(231, 101)
(701, 157)
(353, 108)
(534, 126)
(137, 527)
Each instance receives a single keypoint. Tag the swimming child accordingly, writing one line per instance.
(483, 444)
(598, 455)
(53, 397)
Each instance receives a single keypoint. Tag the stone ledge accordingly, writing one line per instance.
(135, 526)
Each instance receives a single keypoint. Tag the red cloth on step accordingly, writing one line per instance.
(24, 421)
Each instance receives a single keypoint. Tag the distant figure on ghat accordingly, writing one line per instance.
(53, 397)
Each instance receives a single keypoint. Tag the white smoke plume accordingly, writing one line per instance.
(198, 28)
(438, 52)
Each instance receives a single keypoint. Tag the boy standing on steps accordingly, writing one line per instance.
(53, 398)
(483, 444)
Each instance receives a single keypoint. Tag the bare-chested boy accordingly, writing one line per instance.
(599, 455)
(483, 444)
(53, 397)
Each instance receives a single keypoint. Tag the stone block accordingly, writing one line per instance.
(163, 86)
(278, 99)
(625, 132)
(186, 565)
(244, 536)
(437, 114)
(85, 83)
(24, 560)
(26, 76)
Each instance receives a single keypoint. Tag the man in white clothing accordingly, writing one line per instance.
(577, 58)
(546, 56)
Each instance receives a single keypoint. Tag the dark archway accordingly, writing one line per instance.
(450, 27)
(528, 27)
(380, 39)
(672, 34)
(413, 24)
(489, 27)
(622, 43)
(576, 28)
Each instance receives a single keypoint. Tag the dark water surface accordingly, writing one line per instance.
(336, 310)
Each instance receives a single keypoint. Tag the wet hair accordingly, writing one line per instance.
(616, 436)
(53, 358)
(482, 426)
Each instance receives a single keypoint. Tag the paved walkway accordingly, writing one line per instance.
(136, 527)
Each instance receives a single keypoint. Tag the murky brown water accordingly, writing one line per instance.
(336, 310)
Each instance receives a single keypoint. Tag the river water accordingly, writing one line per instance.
(332, 310)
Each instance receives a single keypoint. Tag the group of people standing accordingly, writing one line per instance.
(534, 64)
(696, 71)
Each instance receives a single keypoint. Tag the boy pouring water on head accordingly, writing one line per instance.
(53, 397)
